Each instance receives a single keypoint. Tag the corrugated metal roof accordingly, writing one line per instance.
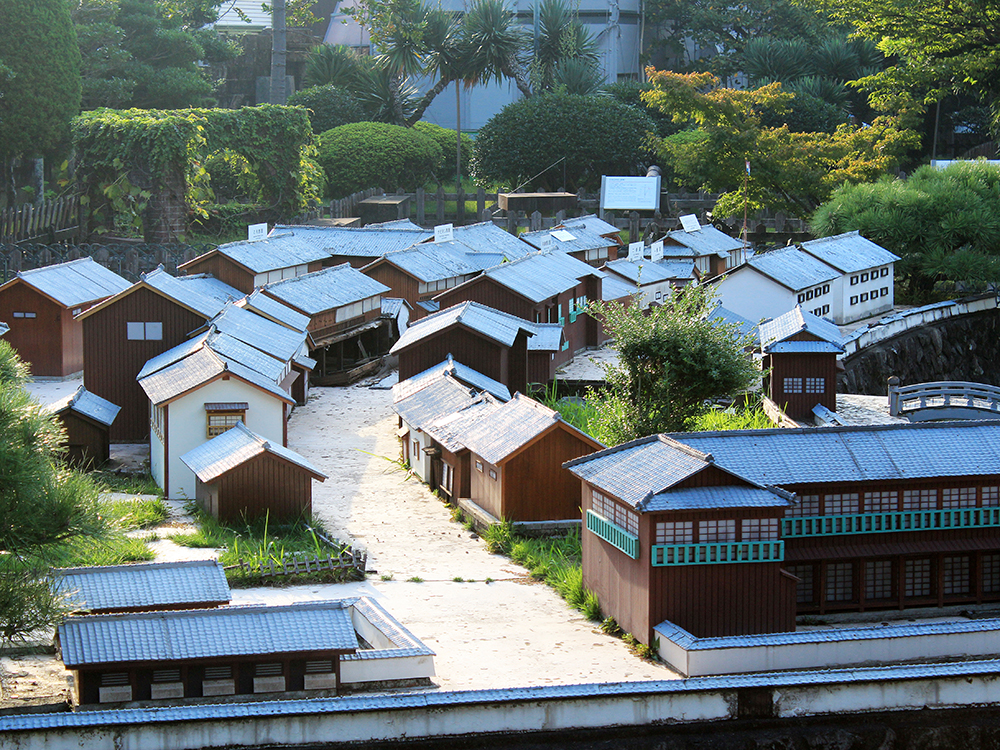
(87, 404)
(487, 238)
(742, 325)
(391, 306)
(261, 304)
(706, 241)
(75, 282)
(648, 272)
(278, 250)
(456, 370)
(234, 447)
(502, 431)
(593, 223)
(202, 293)
(804, 347)
(355, 242)
(886, 452)
(547, 338)
(142, 584)
(497, 325)
(542, 275)
(583, 238)
(327, 289)
(705, 498)
(434, 261)
(437, 397)
(797, 321)
(849, 252)
(176, 354)
(204, 634)
(260, 333)
(448, 429)
(792, 268)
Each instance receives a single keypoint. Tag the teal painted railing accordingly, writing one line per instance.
(613, 534)
(713, 554)
(886, 523)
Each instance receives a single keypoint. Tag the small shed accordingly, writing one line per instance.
(87, 420)
(143, 587)
(240, 474)
(39, 306)
(241, 650)
(712, 250)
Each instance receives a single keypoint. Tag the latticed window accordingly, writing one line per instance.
(881, 502)
(958, 497)
(219, 422)
(805, 589)
(919, 499)
(807, 505)
(760, 529)
(990, 565)
(612, 511)
(717, 531)
(991, 496)
(815, 385)
(956, 575)
(917, 577)
(792, 385)
(675, 532)
(842, 505)
(839, 582)
(878, 579)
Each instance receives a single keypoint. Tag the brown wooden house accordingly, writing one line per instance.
(712, 250)
(580, 241)
(87, 420)
(239, 474)
(497, 343)
(800, 362)
(39, 306)
(125, 331)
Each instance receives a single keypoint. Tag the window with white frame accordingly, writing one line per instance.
(792, 385)
(919, 499)
(347, 312)
(881, 502)
(711, 532)
(958, 497)
(223, 421)
(842, 505)
(145, 331)
(760, 529)
(675, 532)
(807, 505)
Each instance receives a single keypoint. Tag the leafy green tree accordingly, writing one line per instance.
(567, 53)
(42, 503)
(40, 76)
(672, 359)
(553, 140)
(329, 106)
(944, 224)
(446, 140)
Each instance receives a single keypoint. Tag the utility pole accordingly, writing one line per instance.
(279, 95)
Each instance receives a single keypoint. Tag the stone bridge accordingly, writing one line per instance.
(947, 341)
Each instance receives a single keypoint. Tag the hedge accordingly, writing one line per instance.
(329, 106)
(446, 140)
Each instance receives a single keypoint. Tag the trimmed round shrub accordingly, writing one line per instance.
(374, 154)
(596, 135)
(446, 140)
(329, 106)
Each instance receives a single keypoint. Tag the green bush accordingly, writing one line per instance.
(630, 93)
(329, 106)
(446, 140)
(232, 178)
(593, 135)
(373, 154)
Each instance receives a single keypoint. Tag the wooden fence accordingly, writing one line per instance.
(347, 560)
(51, 221)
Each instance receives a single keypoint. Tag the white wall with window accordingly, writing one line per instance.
(280, 273)
(863, 294)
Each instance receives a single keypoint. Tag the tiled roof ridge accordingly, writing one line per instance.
(609, 451)
(215, 611)
(852, 233)
(667, 440)
(134, 565)
(84, 259)
(949, 424)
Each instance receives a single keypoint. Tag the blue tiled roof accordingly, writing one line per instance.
(234, 447)
(456, 370)
(792, 268)
(855, 454)
(539, 276)
(259, 332)
(233, 350)
(849, 252)
(87, 404)
(448, 429)
(202, 293)
(706, 241)
(804, 347)
(176, 354)
(75, 282)
(488, 238)
(437, 397)
(497, 325)
(357, 242)
(647, 271)
(327, 289)
(197, 368)
(706, 498)
(204, 634)
(396, 224)
(580, 238)
(261, 304)
(724, 315)
(547, 338)
(146, 585)
(797, 321)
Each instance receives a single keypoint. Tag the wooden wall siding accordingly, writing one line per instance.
(487, 291)
(460, 464)
(621, 583)
(485, 355)
(51, 342)
(402, 285)
(354, 260)
(325, 323)
(485, 491)
(541, 368)
(111, 361)
(536, 487)
(87, 441)
(264, 484)
(799, 406)
(711, 476)
(225, 270)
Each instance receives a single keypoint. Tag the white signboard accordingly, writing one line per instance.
(548, 242)
(444, 232)
(562, 235)
(656, 251)
(630, 193)
(690, 223)
(635, 250)
(256, 232)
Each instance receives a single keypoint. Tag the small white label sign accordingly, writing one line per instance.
(635, 250)
(444, 232)
(257, 232)
(548, 242)
(690, 223)
(656, 251)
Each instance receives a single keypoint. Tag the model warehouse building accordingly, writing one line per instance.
(731, 533)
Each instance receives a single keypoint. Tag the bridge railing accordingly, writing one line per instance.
(910, 398)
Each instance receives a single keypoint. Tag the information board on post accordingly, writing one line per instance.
(635, 250)
(444, 232)
(689, 222)
(630, 193)
(656, 251)
(257, 232)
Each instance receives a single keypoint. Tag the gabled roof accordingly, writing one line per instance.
(615, 287)
(887, 452)
(73, 283)
(88, 404)
(488, 239)
(849, 252)
(437, 397)
(724, 315)
(433, 261)
(795, 321)
(233, 350)
(235, 447)
(357, 242)
(593, 223)
(396, 224)
(540, 275)
(790, 267)
(547, 338)
(448, 428)
(207, 633)
(494, 324)
(4, 328)
(573, 240)
(648, 272)
(706, 241)
(202, 294)
(504, 431)
(325, 290)
(259, 332)
(456, 370)
(270, 308)
(278, 250)
(146, 585)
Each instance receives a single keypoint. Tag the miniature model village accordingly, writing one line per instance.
(696, 543)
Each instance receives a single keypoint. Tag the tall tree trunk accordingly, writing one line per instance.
(279, 94)
(458, 134)
(426, 100)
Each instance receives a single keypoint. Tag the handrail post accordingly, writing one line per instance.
(893, 384)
